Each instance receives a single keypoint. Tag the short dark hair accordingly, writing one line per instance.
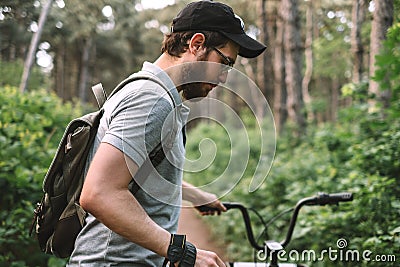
(176, 43)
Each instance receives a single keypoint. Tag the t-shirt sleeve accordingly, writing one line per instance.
(139, 123)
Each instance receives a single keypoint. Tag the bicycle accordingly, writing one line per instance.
(273, 248)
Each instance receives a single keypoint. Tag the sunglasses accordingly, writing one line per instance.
(228, 63)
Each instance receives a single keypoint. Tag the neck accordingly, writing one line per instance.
(172, 66)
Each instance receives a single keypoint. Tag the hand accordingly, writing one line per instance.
(217, 206)
(206, 258)
(199, 197)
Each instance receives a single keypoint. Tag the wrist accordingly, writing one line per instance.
(181, 251)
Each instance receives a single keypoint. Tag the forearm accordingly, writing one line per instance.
(199, 198)
(120, 211)
(189, 192)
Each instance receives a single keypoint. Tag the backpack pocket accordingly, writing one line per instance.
(71, 222)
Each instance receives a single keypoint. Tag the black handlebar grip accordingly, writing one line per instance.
(323, 198)
(205, 208)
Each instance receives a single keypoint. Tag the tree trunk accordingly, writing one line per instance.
(256, 103)
(71, 74)
(358, 16)
(383, 19)
(33, 46)
(264, 68)
(280, 111)
(59, 71)
(334, 99)
(84, 73)
(309, 61)
(292, 46)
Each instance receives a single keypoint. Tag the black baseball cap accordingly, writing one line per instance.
(214, 16)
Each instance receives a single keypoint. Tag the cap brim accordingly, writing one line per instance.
(249, 47)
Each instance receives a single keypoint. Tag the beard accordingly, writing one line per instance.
(195, 81)
(191, 91)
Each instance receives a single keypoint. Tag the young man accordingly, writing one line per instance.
(128, 228)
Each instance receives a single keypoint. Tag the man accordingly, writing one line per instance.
(136, 229)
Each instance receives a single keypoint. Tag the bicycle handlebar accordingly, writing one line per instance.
(319, 199)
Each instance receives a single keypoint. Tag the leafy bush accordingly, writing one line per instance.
(11, 72)
(31, 126)
(362, 159)
(359, 153)
(388, 63)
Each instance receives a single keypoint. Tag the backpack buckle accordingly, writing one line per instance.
(37, 211)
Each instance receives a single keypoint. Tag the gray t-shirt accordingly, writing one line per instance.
(134, 121)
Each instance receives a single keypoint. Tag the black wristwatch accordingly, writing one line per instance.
(181, 251)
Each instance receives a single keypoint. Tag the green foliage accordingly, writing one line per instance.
(359, 153)
(388, 64)
(11, 73)
(326, 51)
(31, 126)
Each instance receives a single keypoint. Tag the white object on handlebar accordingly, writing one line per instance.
(273, 245)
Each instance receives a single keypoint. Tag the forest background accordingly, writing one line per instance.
(331, 75)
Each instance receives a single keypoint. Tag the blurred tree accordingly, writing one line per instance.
(30, 57)
(293, 63)
(357, 19)
(383, 19)
(91, 46)
(264, 76)
(332, 66)
(18, 16)
(87, 46)
(309, 60)
(280, 94)
(79, 21)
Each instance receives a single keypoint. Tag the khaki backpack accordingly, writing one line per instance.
(59, 218)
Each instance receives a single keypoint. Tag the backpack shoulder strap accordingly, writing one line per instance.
(99, 94)
(157, 155)
(136, 77)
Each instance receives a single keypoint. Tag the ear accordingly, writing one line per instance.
(196, 43)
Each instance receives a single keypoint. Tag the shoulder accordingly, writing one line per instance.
(143, 91)
(142, 96)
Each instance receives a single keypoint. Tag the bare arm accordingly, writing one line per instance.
(105, 194)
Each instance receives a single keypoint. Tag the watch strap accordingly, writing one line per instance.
(189, 256)
(176, 247)
(181, 251)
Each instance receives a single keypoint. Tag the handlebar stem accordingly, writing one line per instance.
(320, 199)
(293, 220)
(247, 223)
